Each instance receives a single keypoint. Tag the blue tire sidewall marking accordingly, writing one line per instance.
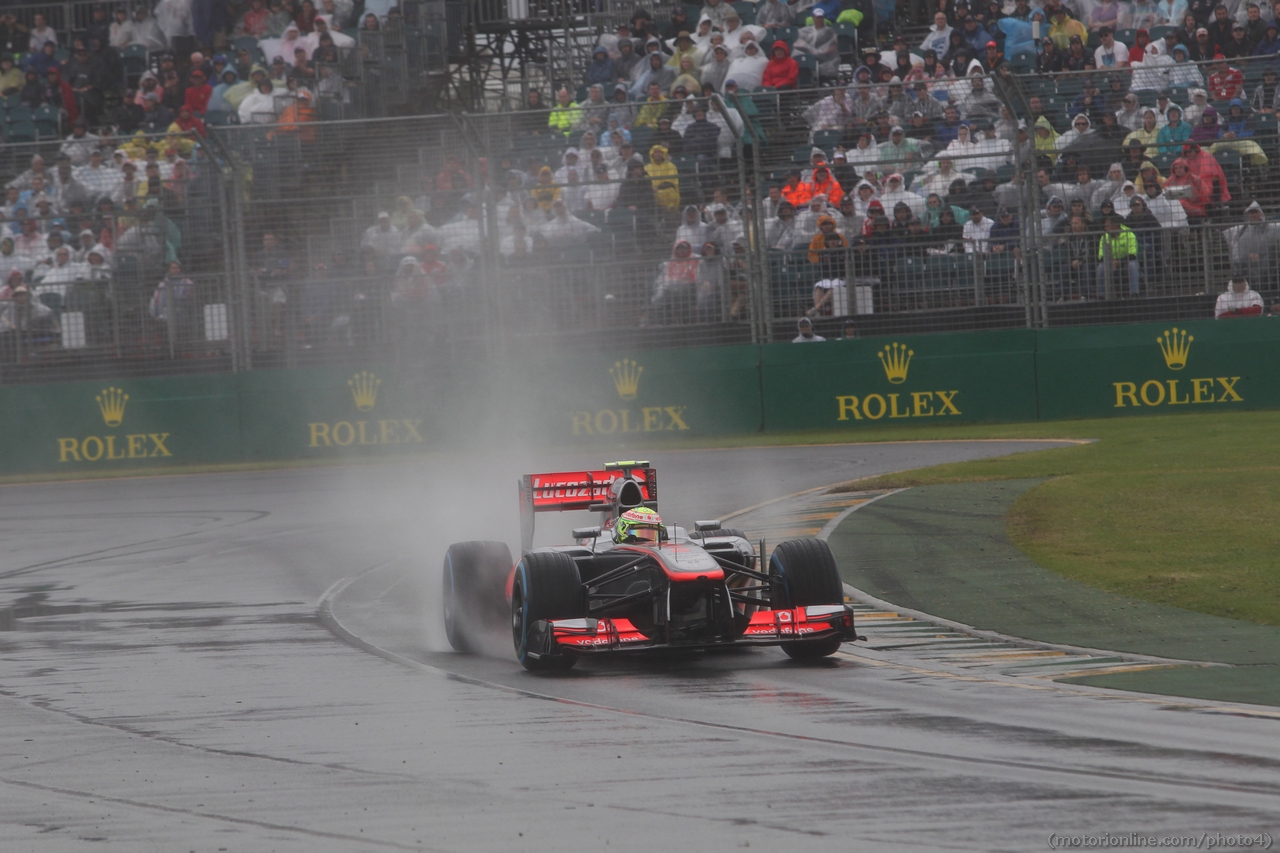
(782, 573)
(524, 614)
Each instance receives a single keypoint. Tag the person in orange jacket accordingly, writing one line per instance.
(796, 192)
(824, 183)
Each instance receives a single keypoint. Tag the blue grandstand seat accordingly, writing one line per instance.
(808, 69)
(23, 131)
(134, 61)
(48, 121)
(826, 139)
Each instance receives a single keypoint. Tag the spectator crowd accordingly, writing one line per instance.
(1133, 141)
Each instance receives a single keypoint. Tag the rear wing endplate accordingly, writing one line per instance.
(565, 491)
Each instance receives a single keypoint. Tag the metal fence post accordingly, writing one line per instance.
(759, 280)
(1108, 278)
(1204, 259)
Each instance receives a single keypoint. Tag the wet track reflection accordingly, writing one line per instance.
(165, 682)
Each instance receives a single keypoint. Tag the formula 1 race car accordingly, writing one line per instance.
(633, 583)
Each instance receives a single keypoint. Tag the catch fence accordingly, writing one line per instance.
(495, 235)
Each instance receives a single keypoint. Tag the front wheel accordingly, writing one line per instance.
(547, 586)
(804, 573)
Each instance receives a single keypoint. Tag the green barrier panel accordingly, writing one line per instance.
(696, 391)
(121, 423)
(948, 378)
(1007, 375)
(327, 412)
(1196, 365)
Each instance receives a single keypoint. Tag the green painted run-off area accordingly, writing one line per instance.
(942, 550)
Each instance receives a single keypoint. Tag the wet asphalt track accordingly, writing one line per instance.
(165, 685)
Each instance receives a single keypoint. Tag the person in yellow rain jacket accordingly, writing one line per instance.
(565, 115)
(665, 178)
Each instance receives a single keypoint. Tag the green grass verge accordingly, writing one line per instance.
(1176, 510)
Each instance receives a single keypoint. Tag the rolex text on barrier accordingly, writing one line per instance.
(857, 383)
(112, 403)
(1197, 365)
(362, 431)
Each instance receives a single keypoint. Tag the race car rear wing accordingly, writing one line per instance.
(619, 487)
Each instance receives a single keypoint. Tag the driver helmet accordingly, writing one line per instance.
(638, 525)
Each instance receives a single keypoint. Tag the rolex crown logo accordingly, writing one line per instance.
(626, 378)
(364, 389)
(111, 403)
(1174, 345)
(896, 359)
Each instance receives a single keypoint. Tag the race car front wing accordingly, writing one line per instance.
(766, 628)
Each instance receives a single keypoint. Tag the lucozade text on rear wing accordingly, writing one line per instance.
(594, 491)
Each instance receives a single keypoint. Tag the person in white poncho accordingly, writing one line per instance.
(1239, 300)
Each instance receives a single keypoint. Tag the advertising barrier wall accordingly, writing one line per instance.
(1008, 375)
(1151, 368)
(981, 376)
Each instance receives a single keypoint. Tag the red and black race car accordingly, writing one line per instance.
(621, 593)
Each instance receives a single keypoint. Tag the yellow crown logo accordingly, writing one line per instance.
(626, 378)
(896, 359)
(111, 402)
(364, 389)
(1174, 346)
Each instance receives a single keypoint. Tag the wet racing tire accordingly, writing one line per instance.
(475, 580)
(805, 573)
(547, 586)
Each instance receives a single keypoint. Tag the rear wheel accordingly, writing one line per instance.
(475, 578)
(804, 573)
(547, 586)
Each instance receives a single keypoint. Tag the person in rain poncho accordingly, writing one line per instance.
(942, 176)
(748, 70)
(563, 229)
(689, 75)
(781, 232)
(656, 73)
(1205, 167)
(1236, 134)
(820, 42)
(665, 178)
(684, 46)
(1188, 189)
(1239, 300)
(716, 69)
(259, 107)
(1111, 188)
(142, 29)
(1254, 246)
(286, 44)
(1182, 73)
(1148, 134)
(1152, 73)
(895, 192)
(675, 290)
(1046, 138)
(864, 192)
(1080, 128)
(1169, 212)
(781, 72)
(692, 229)
(807, 218)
